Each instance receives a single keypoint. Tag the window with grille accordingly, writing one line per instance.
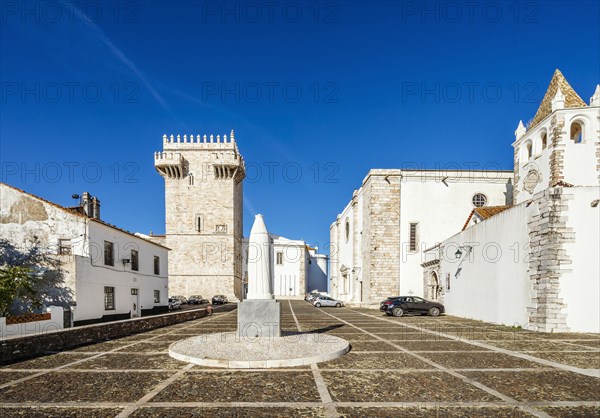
(413, 238)
(109, 298)
(64, 246)
(156, 264)
(109, 256)
(479, 200)
(134, 260)
(157, 296)
(279, 258)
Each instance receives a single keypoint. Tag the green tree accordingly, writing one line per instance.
(29, 278)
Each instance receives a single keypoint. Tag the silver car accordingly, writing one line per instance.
(327, 301)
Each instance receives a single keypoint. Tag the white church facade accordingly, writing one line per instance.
(512, 247)
(296, 267)
(378, 238)
(534, 264)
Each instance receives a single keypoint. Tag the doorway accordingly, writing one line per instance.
(135, 303)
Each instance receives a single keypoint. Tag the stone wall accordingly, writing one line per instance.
(381, 247)
(548, 259)
(16, 349)
(557, 124)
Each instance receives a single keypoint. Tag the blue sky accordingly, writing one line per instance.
(318, 93)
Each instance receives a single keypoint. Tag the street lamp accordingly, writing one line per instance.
(458, 253)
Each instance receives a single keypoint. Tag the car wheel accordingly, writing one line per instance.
(318, 305)
(398, 311)
(434, 311)
(338, 305)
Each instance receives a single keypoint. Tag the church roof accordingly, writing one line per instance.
(572, 99)
(485, 212)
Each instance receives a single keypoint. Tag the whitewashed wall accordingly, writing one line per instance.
(55, 323)
(93, 275)
(493, 284)
(317, 272)
(441, 209)
(580, 287)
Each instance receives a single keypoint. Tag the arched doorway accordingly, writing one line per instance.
(434, 286)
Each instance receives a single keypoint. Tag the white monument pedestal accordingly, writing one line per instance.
(259, 318)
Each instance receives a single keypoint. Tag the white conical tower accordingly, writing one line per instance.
(259, 263)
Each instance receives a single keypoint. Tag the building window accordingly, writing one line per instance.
(109, 255)
(109, 298)
(156, 264)
(221, 229)
(479, 200)
(544, 140)
(64, 246)
(191, 177)
(413, 238)
(279, 257)
(134, 260)
(157, 296)
(448, 281)
(529, 149)
(577, 132)
(134, 292)
(199, 223)
(347, 230)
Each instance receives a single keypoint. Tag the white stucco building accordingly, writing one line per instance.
(109, 273)
(296, 267)
(534, 264)
(378, 238)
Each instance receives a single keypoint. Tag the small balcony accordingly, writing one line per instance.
(169, 164)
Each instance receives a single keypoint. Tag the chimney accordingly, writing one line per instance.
(95, 208)
(86, 204)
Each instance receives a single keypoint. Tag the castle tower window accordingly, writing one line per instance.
(577, 132)
(479, 200)
(199, 223)
(191, 176)
(529, 150)
(280, 258)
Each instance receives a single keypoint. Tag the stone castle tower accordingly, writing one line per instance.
(203, 209)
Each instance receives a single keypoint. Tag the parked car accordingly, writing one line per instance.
(174, 304)
(400, 305)
(197, 300)
(181, 299)
(322, 300)
(315, 294)
(219, 300)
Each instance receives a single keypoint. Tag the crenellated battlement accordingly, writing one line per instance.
(206, 141)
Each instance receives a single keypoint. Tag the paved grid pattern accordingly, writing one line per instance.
(410, 367)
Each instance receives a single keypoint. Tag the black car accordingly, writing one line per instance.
(400, 305)
(197, 300)
(219, 299)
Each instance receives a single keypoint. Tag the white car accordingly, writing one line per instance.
(327, 301)
(174, 304)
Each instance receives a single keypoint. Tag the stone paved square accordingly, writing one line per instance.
(412, 367)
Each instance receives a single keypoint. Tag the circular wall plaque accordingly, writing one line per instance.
(531, 180)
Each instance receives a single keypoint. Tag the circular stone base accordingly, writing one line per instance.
(230, 351)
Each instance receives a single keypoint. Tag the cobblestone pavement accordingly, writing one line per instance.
(409, 367)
